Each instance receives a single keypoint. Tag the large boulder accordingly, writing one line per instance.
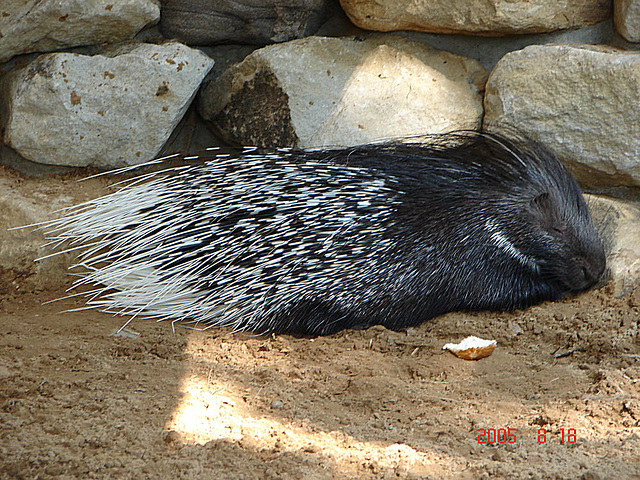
(581, 101)
(48, 25)
(481, 17)
(344, 91)
(107, 110)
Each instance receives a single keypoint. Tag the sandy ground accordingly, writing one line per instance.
(77, 401)
(559, 398)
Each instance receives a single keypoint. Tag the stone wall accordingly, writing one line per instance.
(108, 84)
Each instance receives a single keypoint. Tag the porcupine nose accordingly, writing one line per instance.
(590, 270)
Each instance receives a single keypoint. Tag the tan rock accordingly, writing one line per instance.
(618, 223)
(580, 101)
(47, 25)
(480, 17)
(338, 92)
(26, 201)
(626, 17)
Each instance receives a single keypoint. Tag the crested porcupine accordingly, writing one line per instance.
(316, 241)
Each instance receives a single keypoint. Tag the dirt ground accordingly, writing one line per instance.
(77, 401)
(558, 399)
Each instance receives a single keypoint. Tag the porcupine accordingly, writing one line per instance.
(316, 241)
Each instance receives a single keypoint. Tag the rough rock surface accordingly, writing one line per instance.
(25, 202)
(480, 17)
(581, 101)
(338, 92)
(257, 22)
(626, 15)
(489, 50)
(43, 26)
(618, 223)
(102, 111)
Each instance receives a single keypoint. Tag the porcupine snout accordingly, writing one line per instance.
(582, 262)
(587, 270)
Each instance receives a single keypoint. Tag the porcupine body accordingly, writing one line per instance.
(313, 242)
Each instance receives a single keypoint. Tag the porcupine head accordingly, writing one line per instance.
(538, 237)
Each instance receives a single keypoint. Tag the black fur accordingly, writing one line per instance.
(390, 234)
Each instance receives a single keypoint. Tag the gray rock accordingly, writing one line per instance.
(339, 91)
(618, 223)
(580, 101)
(102, 111)
(47, 25)
(256, 22)
(626, 15)
(482, 17)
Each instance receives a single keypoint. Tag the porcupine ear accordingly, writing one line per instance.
(541, 203)
(543, 208)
